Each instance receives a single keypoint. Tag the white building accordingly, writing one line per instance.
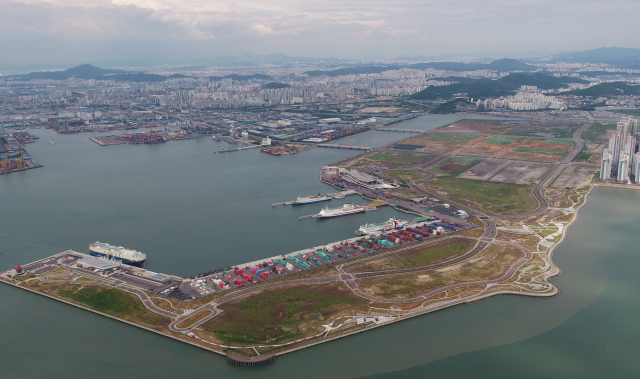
(605, 165)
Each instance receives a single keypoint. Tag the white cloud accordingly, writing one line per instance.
(297, 27)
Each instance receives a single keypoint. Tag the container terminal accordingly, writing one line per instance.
(230, 278)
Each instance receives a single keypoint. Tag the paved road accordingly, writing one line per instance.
(527, 255)
(543, 203)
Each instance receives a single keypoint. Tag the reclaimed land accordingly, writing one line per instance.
(491, 197)
(281, 315)
(440, 251)
(489, 264)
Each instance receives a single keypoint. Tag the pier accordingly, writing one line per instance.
(237, 149)
(344, 146)
(401, 130)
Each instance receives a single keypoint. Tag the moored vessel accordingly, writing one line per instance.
(310, 199)
(126, 256)
(346, 209)
(391, 223)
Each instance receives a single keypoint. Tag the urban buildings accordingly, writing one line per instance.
(622, 152)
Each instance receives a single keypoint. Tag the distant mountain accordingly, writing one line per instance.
(501, 65)
(487, 88)
(84, 71)
(613, 56)
(87, 71)
(608, 90)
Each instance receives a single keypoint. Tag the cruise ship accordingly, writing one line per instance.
(310, 199)
(346, 209)
(127, 256)
(391, 223)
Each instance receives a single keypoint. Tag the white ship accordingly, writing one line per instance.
(346, 209)
(127, 256)
(391, 223)
(310, 199)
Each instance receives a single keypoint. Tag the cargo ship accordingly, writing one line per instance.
(346, 209)
(391, 223)
(126, 256)
(310, 199)
(155, 139)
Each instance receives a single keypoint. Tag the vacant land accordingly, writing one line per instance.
(419, 256)
(490, 264)
(501, 140)
(398, 159)
(506, 171)
(448, 137)
(108, 300)
(281, 315)
(576, 177)
(598, 131)
(491, 197)
(547, 129)
(193, 319)
(456, 166)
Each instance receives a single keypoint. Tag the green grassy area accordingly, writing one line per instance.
(546, 131)
(449, 137)
(630, 112)
(500, 140)
(597, 131)
(456, 166)
(493, 197)
(281, 315)
(583, 157)
(420, 256)
(401, 175)
(567, 142)
(539, 151)
(113, 302)
(400, 159)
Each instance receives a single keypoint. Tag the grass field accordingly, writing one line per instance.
(567, 142)
(597, 131)
(539, 151)
(545, 130)
(489, 264)
(630, 112)
(281, 315)
(397, 159)
(492, 197)
(583, 157)
(501, 140)
(110, 301)
(419, 256)
(193, 319)
(456, 166)
(449, 137)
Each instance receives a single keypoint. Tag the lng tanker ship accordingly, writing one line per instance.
(127, 256)
(346, 209)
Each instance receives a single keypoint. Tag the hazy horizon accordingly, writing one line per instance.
(53, 32)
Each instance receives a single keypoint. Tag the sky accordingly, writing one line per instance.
(55, 31)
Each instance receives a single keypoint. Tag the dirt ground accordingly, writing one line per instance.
(576, 177)
(506, 171)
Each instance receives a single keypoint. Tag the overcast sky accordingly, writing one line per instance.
(37, 31)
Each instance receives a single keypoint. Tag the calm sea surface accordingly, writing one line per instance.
(192, 210)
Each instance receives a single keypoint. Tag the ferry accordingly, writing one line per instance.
(310, 199)
(391, 223)
(126, 256)
(346, 209)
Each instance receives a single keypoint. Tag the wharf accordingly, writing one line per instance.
(344, 146)
(237, 149)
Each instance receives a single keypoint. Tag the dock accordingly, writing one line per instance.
(401, 130)
(344, 146)
(237, 149)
